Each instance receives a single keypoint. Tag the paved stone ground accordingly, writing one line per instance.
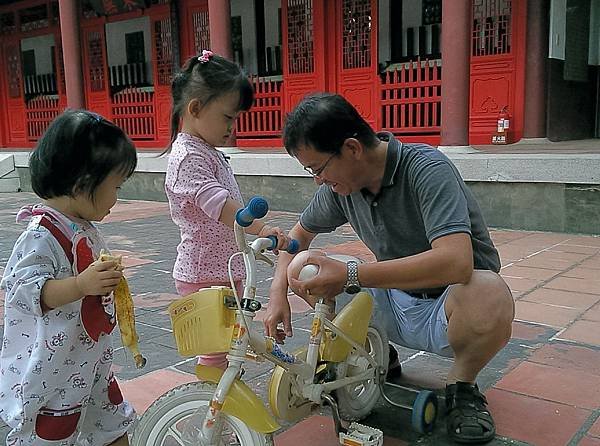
(543, 388)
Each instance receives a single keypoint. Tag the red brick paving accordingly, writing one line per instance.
(545, 398)
(142, 391)
(562, 298)
(589, 441)
(527, 332)
(595, 429)
(593, 314)
(126, 210)
(528, 419)
(562, 385)
(544, 395)
(545, 314)
(584, 332)
(569, 356)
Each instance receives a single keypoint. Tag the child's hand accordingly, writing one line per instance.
(282, 239)
(99, 279)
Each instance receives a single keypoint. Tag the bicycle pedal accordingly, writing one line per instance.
(361, 435)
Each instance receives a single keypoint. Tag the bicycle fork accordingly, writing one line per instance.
(232, 396)
(239, 345)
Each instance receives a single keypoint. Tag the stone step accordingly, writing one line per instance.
(9, 177)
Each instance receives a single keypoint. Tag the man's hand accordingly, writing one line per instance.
(327, 284)
(99, 279)
(282, 239)
(278, 310)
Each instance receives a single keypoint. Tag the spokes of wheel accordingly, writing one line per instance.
(174, 435)
(355, 401)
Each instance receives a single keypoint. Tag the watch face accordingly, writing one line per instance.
(352, 289)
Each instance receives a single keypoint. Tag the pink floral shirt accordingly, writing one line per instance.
(198, 182)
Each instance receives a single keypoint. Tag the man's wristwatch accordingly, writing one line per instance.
(352, 284)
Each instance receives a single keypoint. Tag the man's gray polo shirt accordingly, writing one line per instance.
(422, 198)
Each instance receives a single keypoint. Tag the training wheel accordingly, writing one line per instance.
(424, 411)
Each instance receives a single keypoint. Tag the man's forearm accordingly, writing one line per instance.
(449, 262)
(280, 283)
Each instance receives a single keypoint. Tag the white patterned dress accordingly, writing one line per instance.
(56, 383)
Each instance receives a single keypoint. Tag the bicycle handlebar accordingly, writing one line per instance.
(292, 248)
(257, 207)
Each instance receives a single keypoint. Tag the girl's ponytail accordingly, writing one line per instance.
(206, 77)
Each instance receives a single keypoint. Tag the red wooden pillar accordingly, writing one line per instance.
(456, 52)
(71, 50)
(3, 123)
(219, 19)
(536, 76)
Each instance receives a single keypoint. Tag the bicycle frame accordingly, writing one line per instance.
(303, 372)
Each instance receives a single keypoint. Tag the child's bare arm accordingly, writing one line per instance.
(258, 227)
(99, 279)
(228, 212)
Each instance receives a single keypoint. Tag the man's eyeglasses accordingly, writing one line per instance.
(319, 171)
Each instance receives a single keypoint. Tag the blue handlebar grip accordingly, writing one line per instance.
(257, 207)
(273, 242)
(292, 246)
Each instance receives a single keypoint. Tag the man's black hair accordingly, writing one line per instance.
(323, 122)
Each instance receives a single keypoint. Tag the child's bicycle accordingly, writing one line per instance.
(344, 365)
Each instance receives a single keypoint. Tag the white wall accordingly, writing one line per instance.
(411, 17)
(272, 22)
(43, 55)
(558, 28)
(595, 33)
(412, 11)
(383, 39)
(245, 9)
(115, 41)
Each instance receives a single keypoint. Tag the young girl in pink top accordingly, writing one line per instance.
(208, 95)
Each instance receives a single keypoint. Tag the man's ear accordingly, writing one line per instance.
(194, 107)
(355, 147)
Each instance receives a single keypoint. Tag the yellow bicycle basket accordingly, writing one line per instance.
(202, 323)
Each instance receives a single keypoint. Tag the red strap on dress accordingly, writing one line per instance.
(93, 317)
(62, 239)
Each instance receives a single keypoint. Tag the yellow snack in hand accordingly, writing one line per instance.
(126, 315)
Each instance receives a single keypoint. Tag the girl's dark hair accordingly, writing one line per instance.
(207, 81)
(77, 152)
(324, 121)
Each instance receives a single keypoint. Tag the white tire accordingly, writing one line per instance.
(356, 401)
(164, 421)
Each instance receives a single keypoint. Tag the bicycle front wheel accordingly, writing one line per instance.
(164, 423)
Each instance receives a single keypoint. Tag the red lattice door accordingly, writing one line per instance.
(97, 88)
(195, 32)
(331, 46)
(162, 66)
(355, 49)
(303, 28)
(12, 76)
(497, 67)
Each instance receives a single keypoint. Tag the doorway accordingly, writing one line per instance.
(331, 46)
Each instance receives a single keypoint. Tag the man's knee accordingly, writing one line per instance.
(486, 300)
